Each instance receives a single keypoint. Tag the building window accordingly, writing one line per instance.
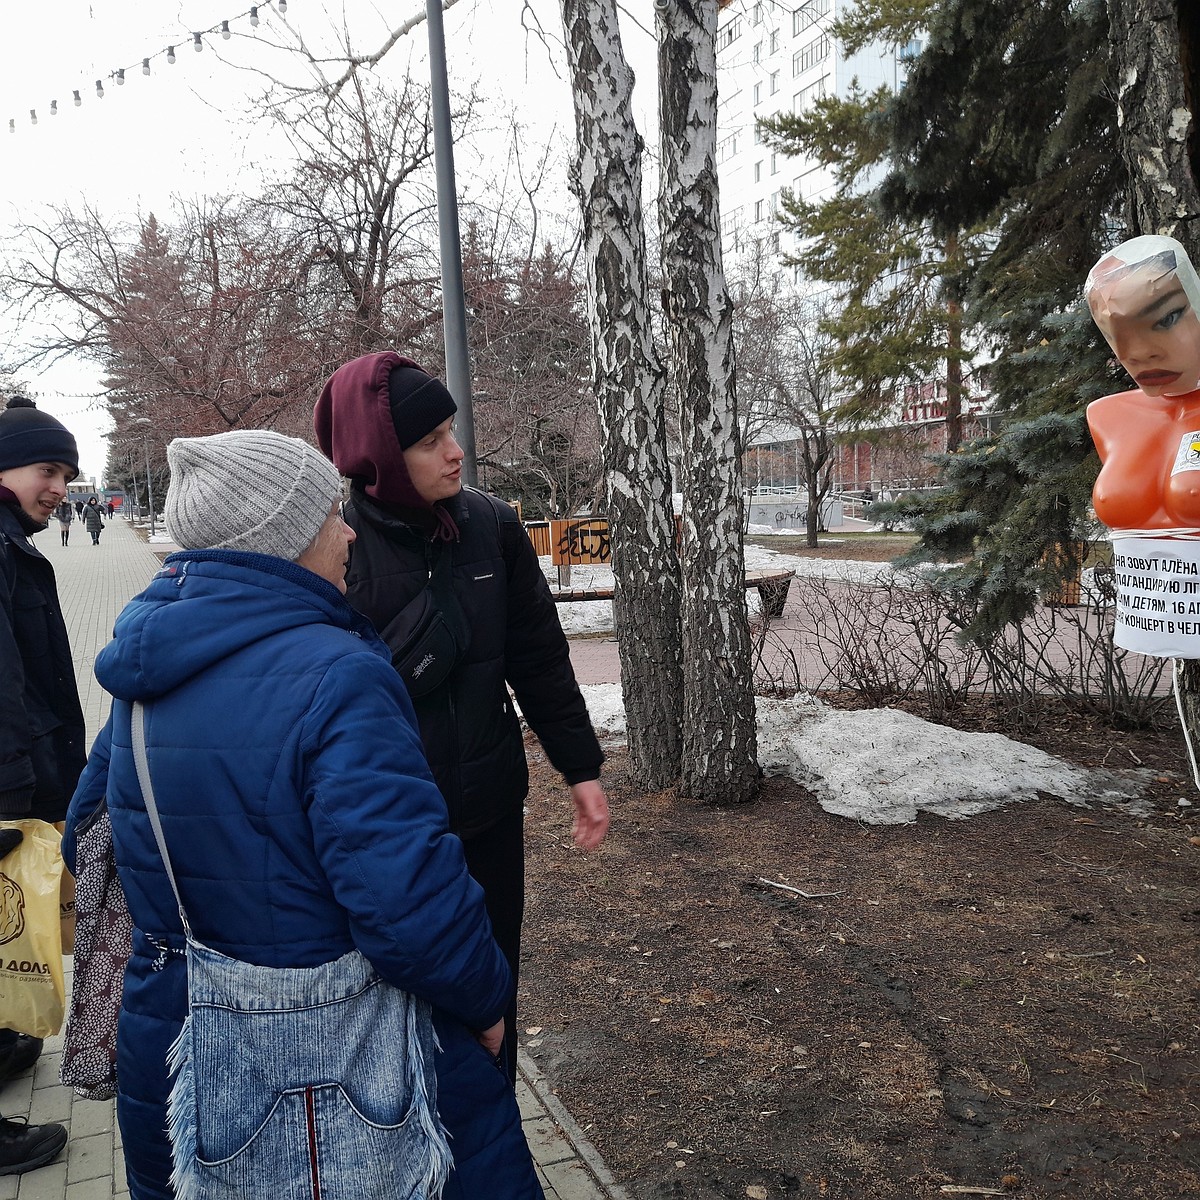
(774, 164)
(757, 93)
(774, 82)
(729, 34)
(758, 51)
(807, 13)
(774, 203)
(759, 136)
(775, 243)
(806, 186)
(774, 41)
(759, 207)
(808, 56)
(726, 148)
(758, 172)
(806, 97)
(757, 14)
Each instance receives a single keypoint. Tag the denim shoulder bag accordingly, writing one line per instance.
(298, 1081)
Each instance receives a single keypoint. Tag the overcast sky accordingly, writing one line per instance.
(191, 127)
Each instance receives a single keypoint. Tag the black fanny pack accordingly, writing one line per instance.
(428, 636)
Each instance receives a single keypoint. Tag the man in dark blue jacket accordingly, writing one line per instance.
(41, 722)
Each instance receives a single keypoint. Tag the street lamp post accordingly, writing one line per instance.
(149, 485)
(144, 426)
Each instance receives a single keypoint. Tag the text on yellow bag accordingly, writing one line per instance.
(32, 991)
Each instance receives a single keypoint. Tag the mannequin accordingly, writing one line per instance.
(1145, 297)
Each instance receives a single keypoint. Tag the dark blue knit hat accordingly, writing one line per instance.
(30, 436)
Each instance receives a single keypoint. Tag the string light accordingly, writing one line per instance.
(119, 74)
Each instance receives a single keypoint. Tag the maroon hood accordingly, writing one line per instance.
(353, 424)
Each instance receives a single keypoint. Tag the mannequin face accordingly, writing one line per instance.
(1148, 320)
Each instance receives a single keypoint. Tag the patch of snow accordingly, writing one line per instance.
(884, 766)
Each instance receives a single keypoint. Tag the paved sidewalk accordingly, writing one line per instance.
(94, 583)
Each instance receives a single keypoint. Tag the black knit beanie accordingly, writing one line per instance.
(30, 436)
(419, 404)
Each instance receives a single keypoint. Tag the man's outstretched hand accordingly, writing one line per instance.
(591, 814)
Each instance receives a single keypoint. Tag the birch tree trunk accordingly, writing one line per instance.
(1156, 124)
(1156, 131)
(719, 736)
(630, 387)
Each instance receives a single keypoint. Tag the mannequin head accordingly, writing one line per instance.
(1145, 298)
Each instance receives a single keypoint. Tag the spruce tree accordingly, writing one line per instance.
(1002, 141)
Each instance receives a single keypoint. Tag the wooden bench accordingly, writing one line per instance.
(772, 590)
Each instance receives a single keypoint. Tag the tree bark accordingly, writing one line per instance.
(1154, 118)
(954, 346)
(720, 741)
(630, 388)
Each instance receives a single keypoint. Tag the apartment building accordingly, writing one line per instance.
(777, 56)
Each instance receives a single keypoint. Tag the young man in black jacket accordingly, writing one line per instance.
(41, 723)
(388, 426)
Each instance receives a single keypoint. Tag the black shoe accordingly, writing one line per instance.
(24, 1147)
(18, 1056)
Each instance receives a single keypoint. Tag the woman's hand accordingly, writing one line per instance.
(492, 1039)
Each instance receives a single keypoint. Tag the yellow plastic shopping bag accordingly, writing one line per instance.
(32, 993)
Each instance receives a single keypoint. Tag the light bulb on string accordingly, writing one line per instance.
(171, 55)
(254, 14)
(145, 66)
(100, 88)
(197, 44)
(225, 33)
(120, 77)
(12, 125)
(78, 98)
(283, 8)
(33, 116)
(54, 108)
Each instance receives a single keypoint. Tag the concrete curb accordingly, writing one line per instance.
(588, 1155)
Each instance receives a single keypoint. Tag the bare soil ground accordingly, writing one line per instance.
(770, 1001)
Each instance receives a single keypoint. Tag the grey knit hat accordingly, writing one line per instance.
(249, 489)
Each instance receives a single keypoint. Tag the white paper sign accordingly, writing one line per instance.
(1158, 595)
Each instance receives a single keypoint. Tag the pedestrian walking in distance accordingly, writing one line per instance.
(93, 519)
(65, 514)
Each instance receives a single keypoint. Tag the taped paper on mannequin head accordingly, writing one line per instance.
(1145, 298)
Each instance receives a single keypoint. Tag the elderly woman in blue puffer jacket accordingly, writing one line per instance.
(300, 814)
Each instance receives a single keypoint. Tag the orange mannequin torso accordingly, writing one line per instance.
(1138, 438)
